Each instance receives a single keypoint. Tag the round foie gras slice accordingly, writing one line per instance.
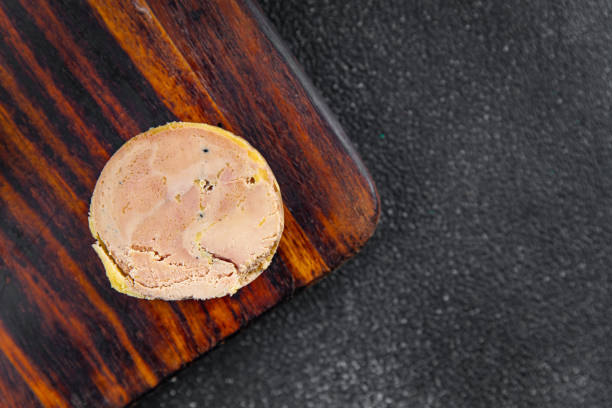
(185, 210)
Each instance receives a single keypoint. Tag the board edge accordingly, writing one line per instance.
(327, 115)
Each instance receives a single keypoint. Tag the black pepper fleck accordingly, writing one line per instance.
(205, 150)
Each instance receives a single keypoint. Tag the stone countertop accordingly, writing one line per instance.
(487, 127)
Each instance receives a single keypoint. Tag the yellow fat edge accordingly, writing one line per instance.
(262, 172)
(113, 273)
(251, 151)
(117, 279)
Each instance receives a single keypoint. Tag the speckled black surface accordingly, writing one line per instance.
(487, 127)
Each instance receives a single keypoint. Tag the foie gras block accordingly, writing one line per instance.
(185, 211)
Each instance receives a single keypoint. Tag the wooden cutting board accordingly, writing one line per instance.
(79, 78)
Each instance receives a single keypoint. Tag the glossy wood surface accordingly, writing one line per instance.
(78, 79)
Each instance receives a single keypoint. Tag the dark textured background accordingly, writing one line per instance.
(487, 127)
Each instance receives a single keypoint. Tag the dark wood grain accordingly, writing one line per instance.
(77, 79)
